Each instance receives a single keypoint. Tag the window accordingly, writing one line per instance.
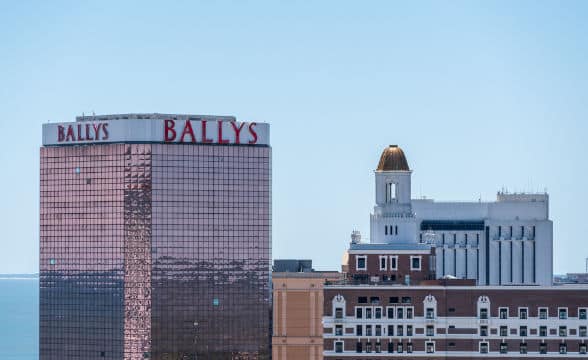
(378, 330)
(483, 348)
(394, 300)
(430, 347)
(583, 349)
(408, 330)
(375, 300)
(378, 312)
(430, 313)
(399, 330)
(390, 192)
(582, 314)
(542, 330)
(362, 300)
(582, 331)
(543, 313)
(483, 313)
(360, 263)
(523, 331)
(358, 347)
(390, 330)
(358, 312)
(390, 347)
(395, 229)
(400, 313)
(386, 230)
(483, 330)
(390, 311)
(563, 348)
(338, 346)
(523, 348)
(430, 330)
(503, 313)
(378, 347)
(523, 312)
(406, 299)
(504, 331)
(358, 330)
(368, 330)
(394, 263)
(368, 347)
(543, 348)
(338, 313)
(383, 264)
(563, 331)
(563, 313)
(415, 263)
(451, 310)
(399, 347)
(339, 330)
(503, 348)
(409, 348)
(368, 313)
(409, 313)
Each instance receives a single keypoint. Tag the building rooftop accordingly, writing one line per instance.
(154, 116)
(391, 246)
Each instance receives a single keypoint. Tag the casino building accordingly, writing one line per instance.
(155, 238)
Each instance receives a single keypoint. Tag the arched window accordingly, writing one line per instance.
(390, 192)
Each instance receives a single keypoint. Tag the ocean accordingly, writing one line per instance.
(19, 318)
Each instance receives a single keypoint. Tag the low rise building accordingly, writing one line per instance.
(298, 303)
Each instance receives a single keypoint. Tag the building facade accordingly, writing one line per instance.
(155, 238)
(455, 322)
(298, 313)
(452, 280)
(505, 242)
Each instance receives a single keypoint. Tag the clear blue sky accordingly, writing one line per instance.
(480, 95)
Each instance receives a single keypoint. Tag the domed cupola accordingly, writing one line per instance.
(393, 159)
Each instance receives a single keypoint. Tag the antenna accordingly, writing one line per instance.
(587, 265)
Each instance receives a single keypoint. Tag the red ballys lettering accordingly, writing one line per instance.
(188, 131)
(253, 133)
(60, 133)
(220, 134)
(80, 132)
(70, 134)
(105, 131)
(97, 131)
(205, 140)
(169, 132)
(237, 131)
(88, 133)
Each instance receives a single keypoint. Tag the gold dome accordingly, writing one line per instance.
(393, 159)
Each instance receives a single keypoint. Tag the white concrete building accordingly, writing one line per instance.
(505, 242)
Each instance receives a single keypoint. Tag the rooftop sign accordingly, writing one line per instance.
(161, 130)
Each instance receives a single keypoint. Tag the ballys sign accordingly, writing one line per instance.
(201, 131)
(186, 132)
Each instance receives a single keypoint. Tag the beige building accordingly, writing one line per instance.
(297, 314)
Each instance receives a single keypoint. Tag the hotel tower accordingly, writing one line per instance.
(155, 238)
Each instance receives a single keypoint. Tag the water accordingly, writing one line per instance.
(19, 319)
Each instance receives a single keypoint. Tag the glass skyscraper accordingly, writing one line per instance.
(155, 238)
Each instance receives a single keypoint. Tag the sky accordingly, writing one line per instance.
(480, 95)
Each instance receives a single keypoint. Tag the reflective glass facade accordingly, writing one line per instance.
(157, 251)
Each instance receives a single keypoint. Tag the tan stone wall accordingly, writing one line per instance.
(297, 315)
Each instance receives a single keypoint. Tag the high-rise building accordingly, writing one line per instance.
(155, 238)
